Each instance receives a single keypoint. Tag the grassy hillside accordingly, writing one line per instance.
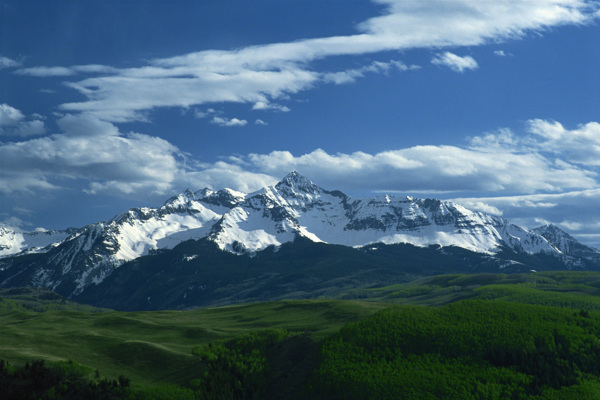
(560, 289)
(156, 347)
(39, 300)
(533, 322)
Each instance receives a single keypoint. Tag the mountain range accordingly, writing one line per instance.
(256, 237)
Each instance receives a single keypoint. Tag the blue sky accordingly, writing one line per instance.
(107, 105)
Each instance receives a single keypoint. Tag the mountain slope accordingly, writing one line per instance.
(297, 207)
(567, 244)
(13, 241)
(293, 209)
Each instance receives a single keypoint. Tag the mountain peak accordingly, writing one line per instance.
(551, 229)
(296, 181)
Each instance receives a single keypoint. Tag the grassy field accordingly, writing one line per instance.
(155, 348)
(558, 289)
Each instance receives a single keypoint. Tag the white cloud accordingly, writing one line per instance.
(218, 119)
(228, 122)
(91, 150)
(6, 62)
(431, 168)
(14, 123)
(477, 205)
(9, 115)
(221, 175)
(454, 62)
(97, 152)
(260, 122)
(500, 53)
(580, 145)
(577, 146)
(265, 73)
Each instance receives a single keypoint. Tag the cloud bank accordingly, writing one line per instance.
(546, 158)
(550, 169)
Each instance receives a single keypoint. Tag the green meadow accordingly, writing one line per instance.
(460, 336)
(155, 348)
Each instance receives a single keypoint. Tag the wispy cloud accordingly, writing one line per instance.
(454, 62)
(351, 75)
(44, 72)
(265, 74)
(6, 62)
(261, 105)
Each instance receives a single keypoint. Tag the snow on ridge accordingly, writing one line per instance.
(137, 238)
(246, 223)
(273, 215)
(14, 241)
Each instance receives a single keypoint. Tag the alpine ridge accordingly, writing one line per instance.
(247, 224)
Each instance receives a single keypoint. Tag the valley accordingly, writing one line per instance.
(155, 349)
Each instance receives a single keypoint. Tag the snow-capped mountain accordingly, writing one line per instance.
(567, 244)
(297, 207)
(14, 241)
(248, 223)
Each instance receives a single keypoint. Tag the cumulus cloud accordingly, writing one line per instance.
(431, 168)
(228, 122)
(579, 146)
(227, 175)
(549, 159)
(263, 74)
(94, 151)
(454, 62)
(14, 123)
(111, 161)
(9, 115)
